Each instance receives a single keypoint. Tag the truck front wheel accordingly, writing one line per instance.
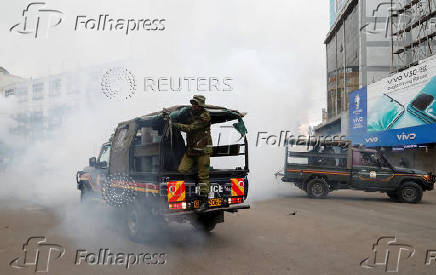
(410, 192)
(317, 188)
(85, 194)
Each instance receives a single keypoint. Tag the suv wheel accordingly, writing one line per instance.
(410, 192)
(317, 188)
(393, 195)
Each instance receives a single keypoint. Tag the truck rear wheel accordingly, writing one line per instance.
(410, 192)
(134, 221)
(141, 224)
(317, 188)
(206, 222)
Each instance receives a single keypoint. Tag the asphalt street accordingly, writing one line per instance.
(290, 234)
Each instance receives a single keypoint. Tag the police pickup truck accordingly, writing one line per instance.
(319, 167)
(137, 170)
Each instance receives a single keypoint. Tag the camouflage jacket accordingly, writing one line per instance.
(198, 138)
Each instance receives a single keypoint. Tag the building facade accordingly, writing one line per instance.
(408, 137)
(413, 32)
(368, 41)
(43, 103)
(357, 53)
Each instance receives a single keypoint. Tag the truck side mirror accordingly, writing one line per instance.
(92, 162)
(102, 164)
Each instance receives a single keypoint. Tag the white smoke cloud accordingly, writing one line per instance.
(272, 50)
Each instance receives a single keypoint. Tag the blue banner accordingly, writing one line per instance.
(396, 111)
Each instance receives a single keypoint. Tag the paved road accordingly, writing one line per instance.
(290, 234)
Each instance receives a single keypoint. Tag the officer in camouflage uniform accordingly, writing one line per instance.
(198, 143)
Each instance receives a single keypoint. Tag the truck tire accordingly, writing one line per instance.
(317, 188)
(141, 224)
(85, 194)
(206, 222)
(134, 222)
(393, 195)
(410, 192)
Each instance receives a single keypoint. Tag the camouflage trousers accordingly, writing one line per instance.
(202, 163)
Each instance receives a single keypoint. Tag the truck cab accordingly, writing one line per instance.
(319, 167)
(137, 171)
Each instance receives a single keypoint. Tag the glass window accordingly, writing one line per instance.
(73, 84)
(120, 139)
(9, 92)
(331, 77)
(368, 159)
(38, 91)
(54, 87)
(322, 156)
(22, 93)
(105, 154)
(378, 56)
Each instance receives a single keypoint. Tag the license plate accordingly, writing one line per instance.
(215, 202)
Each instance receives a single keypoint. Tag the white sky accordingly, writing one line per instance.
(272, 49)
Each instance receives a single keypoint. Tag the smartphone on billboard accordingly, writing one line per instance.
(384, 114)
(423, 106)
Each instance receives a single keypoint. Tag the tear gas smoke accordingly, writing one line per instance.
(278, 78)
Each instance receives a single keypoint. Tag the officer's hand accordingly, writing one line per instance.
(139, 120)
(165, 113)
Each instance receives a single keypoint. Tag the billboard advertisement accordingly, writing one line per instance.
(397, 110)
